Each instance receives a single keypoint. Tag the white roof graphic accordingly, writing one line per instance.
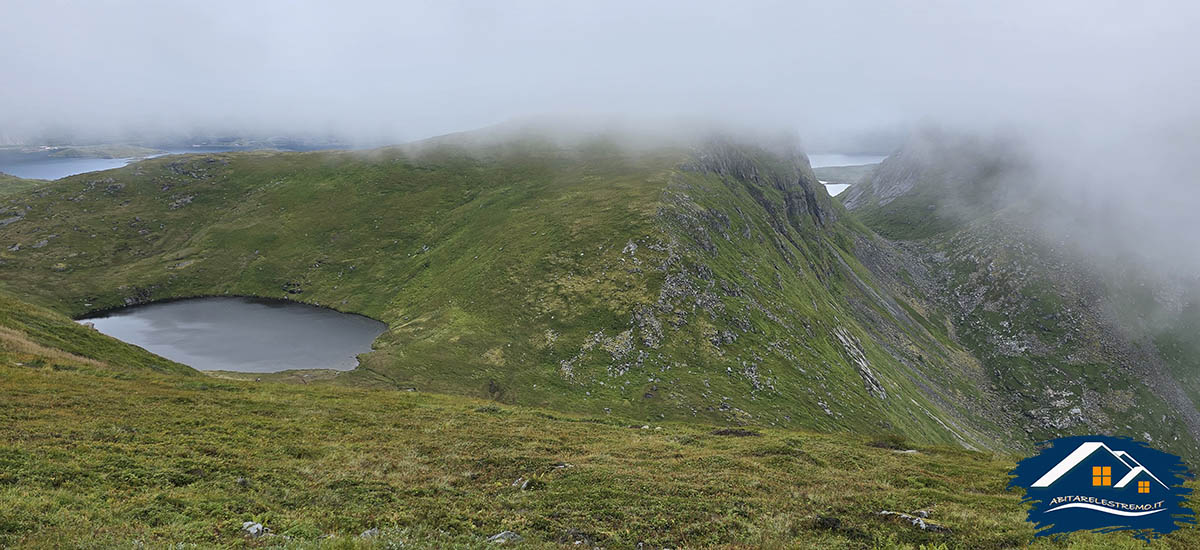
(1085, 450)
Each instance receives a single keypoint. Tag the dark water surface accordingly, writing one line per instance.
(244, 334)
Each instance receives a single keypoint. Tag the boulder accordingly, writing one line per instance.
(505, 537)
(253, 530)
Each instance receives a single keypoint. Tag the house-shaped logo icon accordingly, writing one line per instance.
(1102, 474)
(1096, 483)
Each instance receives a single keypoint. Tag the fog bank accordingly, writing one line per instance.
(846, 75)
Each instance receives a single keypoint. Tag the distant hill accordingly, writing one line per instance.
(849, 175)
(104, 151)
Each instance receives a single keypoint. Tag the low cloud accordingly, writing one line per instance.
(396, 71)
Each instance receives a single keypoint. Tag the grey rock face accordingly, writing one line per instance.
(918, 522)
(253, 530)
(854, 350)
(181, 201)
(369, 533)
(505, 537)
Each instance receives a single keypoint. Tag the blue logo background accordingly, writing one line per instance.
(1065, 494)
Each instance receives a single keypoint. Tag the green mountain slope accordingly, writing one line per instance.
(1073, 344)
(95, 454)
(717, 281)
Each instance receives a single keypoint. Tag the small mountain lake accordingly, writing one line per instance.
(243, 334)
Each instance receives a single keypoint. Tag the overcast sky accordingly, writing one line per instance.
(396, 70)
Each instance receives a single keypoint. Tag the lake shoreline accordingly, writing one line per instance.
(95, 313)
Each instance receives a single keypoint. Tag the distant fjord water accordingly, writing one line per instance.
(42, 165)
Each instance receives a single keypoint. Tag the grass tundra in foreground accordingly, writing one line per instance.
(115, 450)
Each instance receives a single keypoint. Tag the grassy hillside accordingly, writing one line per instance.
(94, 454)
(1074, 345)
(714, 282)
(13, 184)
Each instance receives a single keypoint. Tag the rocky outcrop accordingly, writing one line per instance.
(786, 170)
(854, 352)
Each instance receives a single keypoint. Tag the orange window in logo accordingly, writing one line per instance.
(1102, 477)
(1143, 486)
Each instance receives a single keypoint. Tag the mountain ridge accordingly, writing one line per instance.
(716, 280)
